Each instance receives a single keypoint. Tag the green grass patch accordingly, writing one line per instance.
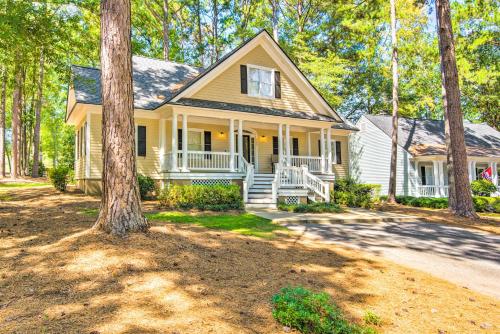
(89, 212)
(5, 197)
(311, 207)
(10, 185)
(243, 223)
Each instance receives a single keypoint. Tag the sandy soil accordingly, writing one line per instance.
(57, 276)
(486, 222)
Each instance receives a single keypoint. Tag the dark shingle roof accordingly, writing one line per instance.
(426, 137)
(155, 81)
(251, 109)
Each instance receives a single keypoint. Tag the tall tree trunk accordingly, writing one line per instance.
(38, 111)
(166, 32)
(199, 36)
(394, 147)
(120, 210)
(463, 205)
(16, 120)
(2, 122)
(274, 20)
(215, 35)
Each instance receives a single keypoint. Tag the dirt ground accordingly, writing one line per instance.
(486, 222)
(57, 276)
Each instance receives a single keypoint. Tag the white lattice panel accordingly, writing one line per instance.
(211, 182)
(292, 200)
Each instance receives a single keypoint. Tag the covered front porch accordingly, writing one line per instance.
(432, 174)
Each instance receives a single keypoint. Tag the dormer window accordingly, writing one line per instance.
(260, 81)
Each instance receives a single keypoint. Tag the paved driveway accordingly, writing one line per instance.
(464, 256)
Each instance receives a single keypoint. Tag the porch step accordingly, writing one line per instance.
(261, 186)
(266, 190)
(258, 195)
(260, 206)
(265, 200)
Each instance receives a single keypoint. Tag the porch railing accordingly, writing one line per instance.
(202, 160)
(248, 169)
(301, 177)
(432, 191)
(313, 163)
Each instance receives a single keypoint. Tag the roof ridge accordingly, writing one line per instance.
(141, 56)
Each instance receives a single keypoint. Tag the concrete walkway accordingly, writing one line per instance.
(463, 256)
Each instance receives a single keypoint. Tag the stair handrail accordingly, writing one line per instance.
(249, 175)
(276, 182)
(315, 184)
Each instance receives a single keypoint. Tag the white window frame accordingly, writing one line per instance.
(202, 136)
(273, 83)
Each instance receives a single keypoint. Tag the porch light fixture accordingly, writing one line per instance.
(263, 138)
(221, 134)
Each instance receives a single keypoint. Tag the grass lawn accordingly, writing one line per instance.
(243, 223)
(10, 185)
(59, 276)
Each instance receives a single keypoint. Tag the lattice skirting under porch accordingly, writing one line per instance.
(211, 182)
(292, 200)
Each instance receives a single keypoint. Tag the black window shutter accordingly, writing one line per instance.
(319, 148)
(141, 141)
(295, 146)
(208, 141)
(423, 176)
(277, 84)
(338, 149)
(179, 139)
(275, 145)
(243, 77)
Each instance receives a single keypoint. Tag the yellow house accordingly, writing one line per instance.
(252, 118)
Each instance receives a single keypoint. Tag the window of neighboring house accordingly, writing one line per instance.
(427, 175)
(338, 153)
(275, 145)
(295, 146)
(260, 82)
(141, 141)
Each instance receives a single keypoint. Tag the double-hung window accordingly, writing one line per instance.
(260, 82)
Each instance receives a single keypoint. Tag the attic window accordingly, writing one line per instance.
(260, 81)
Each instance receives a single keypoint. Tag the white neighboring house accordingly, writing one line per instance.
(421, 167)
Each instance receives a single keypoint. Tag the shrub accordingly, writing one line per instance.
(59, 177)
(318, 207)
(487, 204)
(481, 204)
(146, 185)
(215, 198)
(371, 318)
(483, 187)
(313, 313)
(350, 193)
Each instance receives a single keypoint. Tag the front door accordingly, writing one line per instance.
(249, 148)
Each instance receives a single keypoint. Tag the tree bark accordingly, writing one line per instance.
(38, 111)
(274, 20)
(215, 36)
(166, 32)
(395, 101)
(120, 210)
(2, 122)
(16, 120)
(462, 205)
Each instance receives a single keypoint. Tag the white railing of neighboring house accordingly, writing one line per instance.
(248, 169)
(300, 177)
(315, 184)
(432, 191)
(313, 163)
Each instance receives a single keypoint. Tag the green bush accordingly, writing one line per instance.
(59, 177)
(372, 318)
(350, 193)
(146, 185)
(215, 198)
(483, 187)
(481, 204)
(318, 207)
(312, 313)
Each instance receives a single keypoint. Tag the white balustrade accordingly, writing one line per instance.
(248, 169)
(312, 163)
(315, 184)
(432, 191)
(201, 160)
(300, 177)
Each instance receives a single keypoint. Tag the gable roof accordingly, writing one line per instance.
(426, 137)
(154, 81)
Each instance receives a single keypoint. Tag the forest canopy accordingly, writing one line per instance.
(343, 47)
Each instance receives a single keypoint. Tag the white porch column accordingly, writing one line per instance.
(240, 143)
(287, 145)
(184, 143)
(494, 167)
(469, 165)
(280, 143)
(87, 146)
(174, 143)
(329, 150)
(441, 179)
(231, 145)
(436, 178)
(162, 134)
(309, 153)
(322, 149)
(473, 169)
(417, 180)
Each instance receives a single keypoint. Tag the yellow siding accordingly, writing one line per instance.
(341, 170)
(148, 165)
(226, 87)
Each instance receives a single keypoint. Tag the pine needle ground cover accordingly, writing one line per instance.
(59, 276)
